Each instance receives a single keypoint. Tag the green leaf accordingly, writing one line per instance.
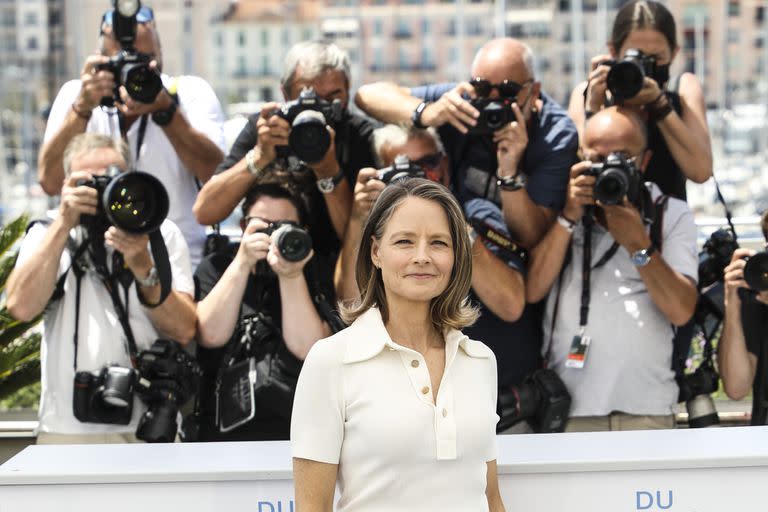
(14, 330)
(6, 266)
(23, 376)
(19, 352)
(12, 232)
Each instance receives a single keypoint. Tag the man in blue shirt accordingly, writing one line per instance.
(522, 167)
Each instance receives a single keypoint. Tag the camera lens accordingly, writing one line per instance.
(141, 83)
(625, 79)
(494, 115)
(158, 424)
(702, 412)
(136, 202)
(118, 386)
(756, 272)
(293, 242)
(611, 186)
(309, 138)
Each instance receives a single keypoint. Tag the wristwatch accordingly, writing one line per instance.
(416, 116)
(642, 257)
(511, 183)
(164, 117)
(327, 185)
(151, 280)
(250, 163)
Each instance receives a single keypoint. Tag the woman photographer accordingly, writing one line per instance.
(674, 108)
(400, 407)
(261, 306)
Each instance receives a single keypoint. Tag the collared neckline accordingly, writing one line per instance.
(368, 337)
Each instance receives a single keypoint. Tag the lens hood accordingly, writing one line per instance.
(135, 202)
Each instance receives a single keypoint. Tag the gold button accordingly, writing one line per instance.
(425, 390)
(445, 413)
(415, 363)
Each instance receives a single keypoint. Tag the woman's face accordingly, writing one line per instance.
(415, 253)
(650, 42)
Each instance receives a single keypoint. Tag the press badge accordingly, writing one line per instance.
(577, 355)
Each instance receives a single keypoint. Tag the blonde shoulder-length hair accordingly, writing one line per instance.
(449, 309)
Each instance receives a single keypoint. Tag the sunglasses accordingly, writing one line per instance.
(506, 89)
(145, 15)
(429, 161)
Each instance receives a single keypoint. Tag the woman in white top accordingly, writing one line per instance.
(400, 407)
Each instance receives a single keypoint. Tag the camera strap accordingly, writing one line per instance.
(499, 240)
(140, 136)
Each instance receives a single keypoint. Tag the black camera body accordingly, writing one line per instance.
(715, 255)
(293, 241)
(135, 202)
(616, 177)
(626, 76)
(168, 378)
(756, 272)
(129, 67)
(309, 116)
(542, 398)
(695, 390)
(105, 396)
(402, 167)
(495, 114)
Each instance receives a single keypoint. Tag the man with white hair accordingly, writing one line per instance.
(522, 167)
(256, 154)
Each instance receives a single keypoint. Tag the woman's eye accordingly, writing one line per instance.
(440, 242)
(403, 241)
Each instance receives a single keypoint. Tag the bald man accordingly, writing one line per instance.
(530, 156)
(616, 358)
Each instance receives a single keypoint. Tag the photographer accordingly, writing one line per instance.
(81, 325)
(678, 135)
(319, 70)
(263, 302)
(607, 333)
(178, 134)
(508, 142)
(741, 352)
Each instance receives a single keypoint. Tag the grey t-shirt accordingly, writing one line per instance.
(628, 365)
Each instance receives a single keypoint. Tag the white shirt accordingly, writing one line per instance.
(199, 104)
(365, 403)
(628, 365)
(101, 339)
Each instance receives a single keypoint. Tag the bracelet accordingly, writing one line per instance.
(566, 223)
(659, 108)
(80, 114)
(250, 163)
(511, 183)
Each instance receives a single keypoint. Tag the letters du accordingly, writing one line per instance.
(645, 500)
(279, 506)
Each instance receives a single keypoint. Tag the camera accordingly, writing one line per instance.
(715, 255)
(625, 78)
(616, 177)
(129, 67)
(494, 115)
(135, 202)
(105, 396)
(402, 167)
(309, 116)
(542, 398)
(756, 272)
(168, 378)
(695, 390)
(293, 241)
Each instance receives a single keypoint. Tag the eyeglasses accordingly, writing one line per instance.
(506, 89)
(145, 15)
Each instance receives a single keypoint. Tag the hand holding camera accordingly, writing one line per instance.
(133, 107)
(452, 108)
(367, 190)
(748, 269)
(95, 84)
(272, 131)
(134, 249)
(77, 199)
(254, 244)
(512, 139)
(597, 83)
(580, 189)
(284, 245)
(311, 136)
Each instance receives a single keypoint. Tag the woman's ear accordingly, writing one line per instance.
(375, 252)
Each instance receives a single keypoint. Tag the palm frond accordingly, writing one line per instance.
(12, 232)
(22, 376)
(19, 353)
(15, 330)
(6, 266)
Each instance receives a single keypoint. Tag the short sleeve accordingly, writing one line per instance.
(61, 105)
(548, 166)
(492, 451)
(317, 422)
(178, 254)
(202, 108)
(679, 246)
(431, 92)
(244, 142)
(32, 240)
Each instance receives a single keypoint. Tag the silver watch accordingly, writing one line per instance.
(151, 280)
(328, 185)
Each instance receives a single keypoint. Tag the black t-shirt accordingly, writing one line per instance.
(754, 320)
(354, 151)
(262, 294)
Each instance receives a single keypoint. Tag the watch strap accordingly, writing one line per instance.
(165, 116)
(416, 116)
(511, 183)
(152, 279)
(327, 185)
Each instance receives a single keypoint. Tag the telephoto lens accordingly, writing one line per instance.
(309, 138)
(756, 272)
(695, 391)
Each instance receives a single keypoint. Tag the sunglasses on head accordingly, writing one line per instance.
(145, 15)
(506, 89)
